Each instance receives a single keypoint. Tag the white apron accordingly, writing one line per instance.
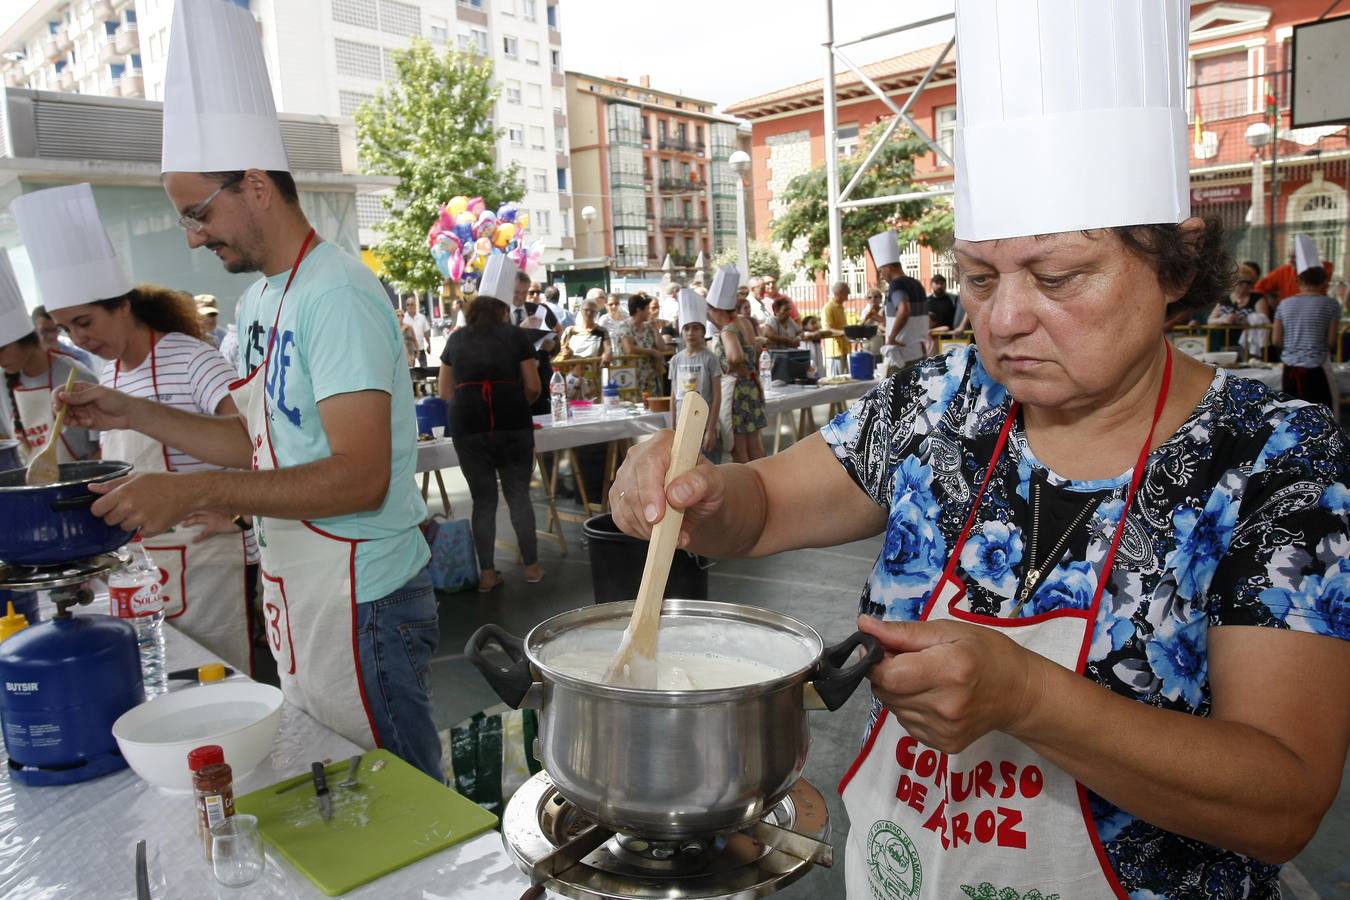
(35, 412)
(930, 824)
(309, 586)
(204, 585)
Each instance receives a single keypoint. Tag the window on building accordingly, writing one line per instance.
(350, 101)
(357, 59)
(539, 180)
(661, 129)
(846, 139)
(537, 137)
(480, 41)
(688, 209)
(515, 133)
(529, 10)
(510, 47)
(398, 18)
(511, 91)
(532, 52)
(355, 12)
(685, 169)
(440, 29)
(667, 208)
(475, 4)
(135, 61)
(553, 17)
(944, 129)
(558, 100)
(534, 95)
(507, 7)
(562, 179)
(555, 61)
(558, 144)
(682, 133)
(1222, 86)
(689, 248)
(665, 168)
(542, 222)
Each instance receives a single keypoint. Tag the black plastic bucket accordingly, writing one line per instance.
(617, 561)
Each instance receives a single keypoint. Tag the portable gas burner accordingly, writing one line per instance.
(62, 579)
(558, 846)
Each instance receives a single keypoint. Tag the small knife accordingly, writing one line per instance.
(142, 873)
(321, 790)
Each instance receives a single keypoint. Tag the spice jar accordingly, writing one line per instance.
(213, 789)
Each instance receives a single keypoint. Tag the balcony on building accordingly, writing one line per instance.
(51, 48)
(107, 51)
(102, 9)
(67, 79)
(130, 85)
(119, 5)
(674, 184)
(676, 143)
(127, 40)
(63, 40)
(15, 79)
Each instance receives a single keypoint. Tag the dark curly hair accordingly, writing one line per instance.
(1200, 265)
(163, 309)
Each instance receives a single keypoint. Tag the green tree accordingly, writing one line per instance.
(930, 222)
(431, 128)
(763, 259)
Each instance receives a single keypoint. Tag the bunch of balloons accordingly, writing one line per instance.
(467, 234)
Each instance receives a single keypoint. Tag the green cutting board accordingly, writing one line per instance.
(395, 817)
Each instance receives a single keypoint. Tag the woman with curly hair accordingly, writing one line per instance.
(152, 342)
(1113, 592)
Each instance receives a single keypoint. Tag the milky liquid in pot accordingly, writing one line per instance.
(692, 655)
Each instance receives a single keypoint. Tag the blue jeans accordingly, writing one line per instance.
(396, 636)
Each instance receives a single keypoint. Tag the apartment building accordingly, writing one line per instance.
(326, 57)
(653, 164)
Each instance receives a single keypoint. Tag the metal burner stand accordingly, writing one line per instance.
(560, 848)
(62, 575)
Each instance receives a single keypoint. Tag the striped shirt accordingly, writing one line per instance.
(188, 374)
(1306, 319)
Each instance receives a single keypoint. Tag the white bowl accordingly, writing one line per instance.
(155, 737)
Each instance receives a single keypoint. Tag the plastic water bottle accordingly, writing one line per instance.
(765, 368)
(611, 395)
(557, 395)
(134, 595)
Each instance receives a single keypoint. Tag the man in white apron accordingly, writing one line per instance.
(326, 408)
(906, 310)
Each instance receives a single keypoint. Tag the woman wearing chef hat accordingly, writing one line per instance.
(1113, 585)
(32, 372)
(151, 339)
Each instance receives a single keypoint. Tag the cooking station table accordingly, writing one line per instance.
(79, 840)
(783, 400)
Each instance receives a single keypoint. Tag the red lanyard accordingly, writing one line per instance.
(949, 572)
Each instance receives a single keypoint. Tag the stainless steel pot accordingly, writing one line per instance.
(667, 765)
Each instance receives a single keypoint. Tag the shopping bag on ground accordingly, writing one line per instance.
(454, 566)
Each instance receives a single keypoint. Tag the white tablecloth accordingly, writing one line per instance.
(590, 426)
(79, 840)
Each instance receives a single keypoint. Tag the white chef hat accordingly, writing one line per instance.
(73, 259)
(499, 278)
(722, 292)
(15, 322)
(885, 248)
(1306, 255)
(1084, 95)
(219, 115)
(693, 308)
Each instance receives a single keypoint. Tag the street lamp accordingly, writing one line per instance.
(1258, 137)
(740, 164)
(588, 216)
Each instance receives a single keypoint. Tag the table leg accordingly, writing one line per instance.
(426, 481)
(581, 482)
(445, 498)
(611, 467)
(553, 525)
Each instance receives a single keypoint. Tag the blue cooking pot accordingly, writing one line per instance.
(9, 455)
(51, 523)
(432, 412)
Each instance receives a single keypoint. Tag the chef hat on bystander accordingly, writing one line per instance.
(15, 322)
(885, 248)
(1306, 255)
(1084, 95)
(72, 257)
(219, 115)
(722, 292)
(693, 308)
(499, 278)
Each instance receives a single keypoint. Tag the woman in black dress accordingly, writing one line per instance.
(489, 377)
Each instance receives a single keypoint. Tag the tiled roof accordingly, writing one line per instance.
(914, 64)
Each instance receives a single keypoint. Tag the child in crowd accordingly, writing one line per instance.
(811, 336)
(695, 367)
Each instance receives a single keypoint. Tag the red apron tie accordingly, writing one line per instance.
(486, 387)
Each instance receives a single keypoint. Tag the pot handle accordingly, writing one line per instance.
(834, 685)
(512, 683)
(61, 504)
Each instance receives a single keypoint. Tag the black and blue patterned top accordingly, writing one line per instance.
(1242, 518)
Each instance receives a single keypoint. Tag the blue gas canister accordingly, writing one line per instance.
(431, 412)
(862, 366)
(62, 685)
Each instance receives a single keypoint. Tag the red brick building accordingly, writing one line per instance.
(1240, 55)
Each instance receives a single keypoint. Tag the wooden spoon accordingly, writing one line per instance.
(44, 468)
(634, 664)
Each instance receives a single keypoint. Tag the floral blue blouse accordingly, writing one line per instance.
(1242, 518)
